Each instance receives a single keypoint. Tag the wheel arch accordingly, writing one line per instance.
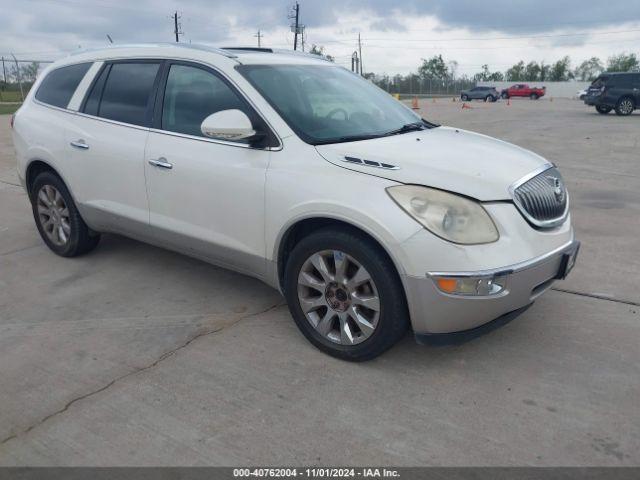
(302, 227)
(34, 168)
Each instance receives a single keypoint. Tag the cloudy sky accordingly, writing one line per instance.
(394, 38)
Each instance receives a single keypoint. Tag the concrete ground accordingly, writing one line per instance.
(133, 355)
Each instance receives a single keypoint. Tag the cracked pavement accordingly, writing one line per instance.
(134, 355)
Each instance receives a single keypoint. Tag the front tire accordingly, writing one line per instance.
(505, 95)
(345, 294)
(534, 96)
(464, 98)
(57, 218)
(625, 106)
(603, 109)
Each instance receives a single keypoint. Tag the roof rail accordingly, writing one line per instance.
(192, 46)
(280, 51)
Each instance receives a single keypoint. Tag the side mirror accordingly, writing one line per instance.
(228, 125)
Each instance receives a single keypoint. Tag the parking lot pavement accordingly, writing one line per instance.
(133, 355)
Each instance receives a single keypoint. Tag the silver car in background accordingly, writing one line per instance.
(488, 94)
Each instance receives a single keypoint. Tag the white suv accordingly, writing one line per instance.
(291, 169)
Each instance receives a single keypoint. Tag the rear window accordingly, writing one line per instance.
(126, 94)
(58, 86)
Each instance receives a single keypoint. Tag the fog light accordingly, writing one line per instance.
(472, 286)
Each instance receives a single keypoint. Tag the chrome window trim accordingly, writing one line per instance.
(213, 140)
(538, 223)
(108, 120)
(508, 270)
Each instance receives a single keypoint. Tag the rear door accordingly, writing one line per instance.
(206, 196)
(107, 145)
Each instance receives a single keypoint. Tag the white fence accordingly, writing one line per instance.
(554, 89)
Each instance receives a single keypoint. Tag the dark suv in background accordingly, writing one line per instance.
(488, 94)
(619, 91)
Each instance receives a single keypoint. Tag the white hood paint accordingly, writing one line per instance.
(444, 157)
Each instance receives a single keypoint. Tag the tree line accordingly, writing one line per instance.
(437, 74)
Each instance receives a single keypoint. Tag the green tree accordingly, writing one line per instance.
(30, 72)
(561, 70)
(434, 68)
(589, 69)
(515, 73)
(623, 63)
(487, 76)
(532, 72)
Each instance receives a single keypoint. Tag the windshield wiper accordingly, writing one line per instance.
(409, 127)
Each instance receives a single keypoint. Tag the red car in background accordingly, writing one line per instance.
(523, 90)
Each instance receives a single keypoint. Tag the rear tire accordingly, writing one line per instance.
(625, 106)
(603, 109)
(488, 98)
(57, 218)
(464, 97)
(332, 299)
(504, 95)
(534, 96)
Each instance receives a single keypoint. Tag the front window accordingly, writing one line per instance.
(191, 95)
(328, 104)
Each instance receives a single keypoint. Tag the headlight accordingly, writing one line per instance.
(452, 217)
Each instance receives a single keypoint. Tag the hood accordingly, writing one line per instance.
(444, 157)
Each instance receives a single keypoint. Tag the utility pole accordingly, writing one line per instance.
(109, 38)
(296, 26)
(360, 54)
(176, 26)
(4, 72)
(259, 35)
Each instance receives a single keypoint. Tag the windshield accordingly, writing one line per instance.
(328, 104)
(599, 82)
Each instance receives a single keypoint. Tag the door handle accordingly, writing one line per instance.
(162, 163)
(80, 144)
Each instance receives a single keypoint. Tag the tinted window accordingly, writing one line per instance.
(191, 95)
(127, 92)
(93, 100)
(621, 80)
(58, 86)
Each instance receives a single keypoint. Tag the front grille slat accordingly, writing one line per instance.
(543, 199)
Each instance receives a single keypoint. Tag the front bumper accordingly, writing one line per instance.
(434, 312)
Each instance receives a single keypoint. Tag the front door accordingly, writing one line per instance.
(206, 196)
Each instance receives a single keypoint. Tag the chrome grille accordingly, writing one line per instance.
(542, 199)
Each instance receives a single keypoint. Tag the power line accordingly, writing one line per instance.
(477, 39)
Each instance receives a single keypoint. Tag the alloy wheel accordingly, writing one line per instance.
(626, 107)
(53, 215)
(338, 297)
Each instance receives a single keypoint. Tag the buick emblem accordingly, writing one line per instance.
(558, 188)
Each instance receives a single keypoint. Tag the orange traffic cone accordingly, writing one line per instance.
(464, 105)
(414, 103)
